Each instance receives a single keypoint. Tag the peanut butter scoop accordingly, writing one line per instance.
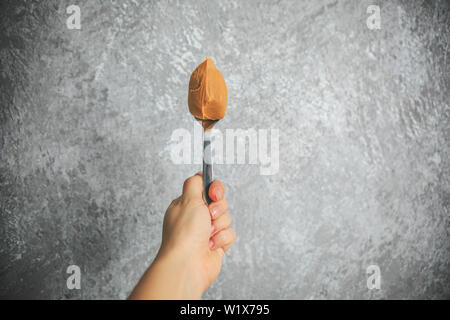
(208, 94)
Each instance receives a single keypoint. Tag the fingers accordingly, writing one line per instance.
(216, 190)
(193, 187)
(218, 208)
(221, 223)
(223, 239)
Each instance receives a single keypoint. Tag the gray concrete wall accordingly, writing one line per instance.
(364, 117)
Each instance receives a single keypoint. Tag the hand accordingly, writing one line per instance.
(195, 238)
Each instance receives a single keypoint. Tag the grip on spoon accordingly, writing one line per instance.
(207, 167)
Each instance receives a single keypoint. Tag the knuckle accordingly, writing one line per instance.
(229, 218)
(233, 234)
(174, 202)
(225, 203)
(188, 181)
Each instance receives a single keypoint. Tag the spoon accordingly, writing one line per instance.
(207, 158)
(207, 101)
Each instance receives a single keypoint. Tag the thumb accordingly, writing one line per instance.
(193, 187)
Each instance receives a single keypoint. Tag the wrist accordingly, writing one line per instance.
(176, 271)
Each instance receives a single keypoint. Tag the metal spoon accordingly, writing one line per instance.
(207, 158)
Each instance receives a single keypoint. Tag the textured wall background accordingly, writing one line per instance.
(86, 119)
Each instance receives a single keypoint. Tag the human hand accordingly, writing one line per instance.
(195, 239)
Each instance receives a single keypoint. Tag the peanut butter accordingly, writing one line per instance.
(207, 98)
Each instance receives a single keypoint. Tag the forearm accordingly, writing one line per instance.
(168, 277)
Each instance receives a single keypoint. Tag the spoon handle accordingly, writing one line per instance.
(207, 165)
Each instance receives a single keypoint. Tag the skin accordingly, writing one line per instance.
(195, 239)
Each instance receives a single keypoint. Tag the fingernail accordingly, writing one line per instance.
(213, 211)
(211, 244)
